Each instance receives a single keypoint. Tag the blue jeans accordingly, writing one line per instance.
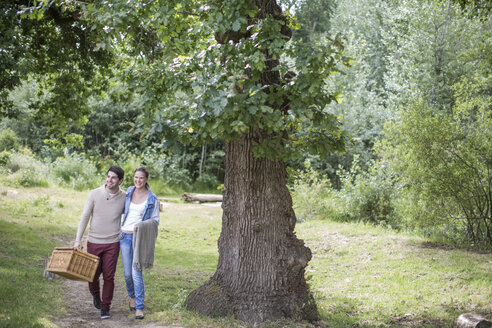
(133, 277)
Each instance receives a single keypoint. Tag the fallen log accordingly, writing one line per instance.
(201, 198)
(470, 320)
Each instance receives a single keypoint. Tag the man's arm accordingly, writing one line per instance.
(84, 220)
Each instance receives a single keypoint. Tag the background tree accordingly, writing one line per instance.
(440, 145)
(56, 46)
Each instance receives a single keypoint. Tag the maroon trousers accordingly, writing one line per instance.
(108, 254)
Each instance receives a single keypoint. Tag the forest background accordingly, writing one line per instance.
(415, 103)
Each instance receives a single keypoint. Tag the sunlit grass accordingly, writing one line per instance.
(375, 278)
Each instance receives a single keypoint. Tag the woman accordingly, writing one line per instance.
(138, 236)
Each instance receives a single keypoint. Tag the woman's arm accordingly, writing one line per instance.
(155, 213)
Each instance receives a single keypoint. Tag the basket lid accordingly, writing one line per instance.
(78, 251)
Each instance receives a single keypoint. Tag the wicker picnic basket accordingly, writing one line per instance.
(73, 264)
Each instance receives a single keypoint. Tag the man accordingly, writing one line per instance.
(104, 208)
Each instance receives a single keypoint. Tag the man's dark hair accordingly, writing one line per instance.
(118, 170)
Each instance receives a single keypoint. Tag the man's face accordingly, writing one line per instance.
(112, 181)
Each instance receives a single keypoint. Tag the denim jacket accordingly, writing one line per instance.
(151, 210)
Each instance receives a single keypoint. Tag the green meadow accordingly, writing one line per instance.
(360, 275)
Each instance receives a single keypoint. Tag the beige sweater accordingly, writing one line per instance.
(104, 211)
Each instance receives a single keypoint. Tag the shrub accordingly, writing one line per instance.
(75, 171)
(4, 158)
(370, 195)
(206, 183)
(31, 176)
(22, 159)
(445, 160)
(313, 196)
(24, 168)
(161, 189)
(8, 140)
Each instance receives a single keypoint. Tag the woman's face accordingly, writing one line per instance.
(139, 179)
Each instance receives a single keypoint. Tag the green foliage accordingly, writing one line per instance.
(206, 183)
(480, 8)
(368, 30)
(370, 195)
(27, 170)
(76, 172)
(213, 89)
(313, 17)
(30, 130)
(175, 175)
(71, 140)
(4, 158)
(444, 158)
(53, 42)
(31, 176)
(179, 172)
(313, 196)
(9, 140)
(182, 78)
(170, 170)
(114, 127)
(24, 158)
(401, 50)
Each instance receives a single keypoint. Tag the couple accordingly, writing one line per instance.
(135, 234)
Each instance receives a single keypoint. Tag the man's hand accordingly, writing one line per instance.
(77, 245)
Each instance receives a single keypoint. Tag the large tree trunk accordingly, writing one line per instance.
(260, 274)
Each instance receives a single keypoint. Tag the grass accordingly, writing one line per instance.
(31, 223)
(360, 275)
(369, 277)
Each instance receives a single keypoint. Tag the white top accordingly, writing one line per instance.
(135, 214)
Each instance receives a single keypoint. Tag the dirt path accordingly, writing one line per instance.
(81, 312)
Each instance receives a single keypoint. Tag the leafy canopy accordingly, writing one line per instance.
(200, 67)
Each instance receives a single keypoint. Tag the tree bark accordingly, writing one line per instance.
(260, 274)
